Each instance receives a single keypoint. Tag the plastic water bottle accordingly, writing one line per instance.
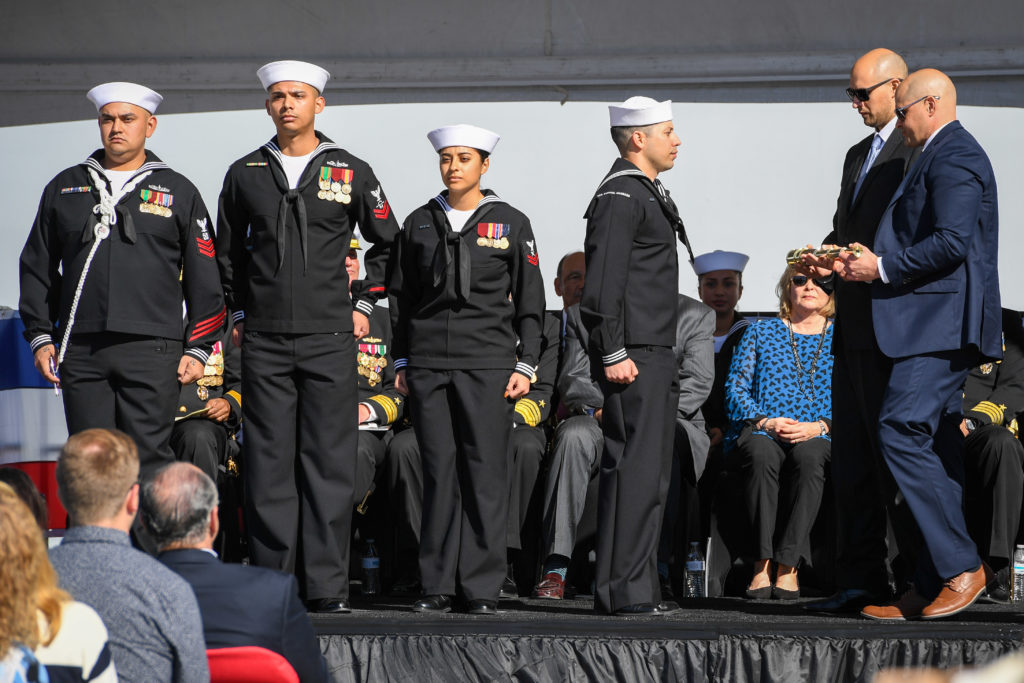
(1017, 585)
(695, 572)
(371, 569)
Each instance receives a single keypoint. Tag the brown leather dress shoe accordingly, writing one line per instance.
(551, 587)
(959, 593)
(909, 606)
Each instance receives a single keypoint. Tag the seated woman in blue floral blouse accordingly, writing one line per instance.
(778, 395)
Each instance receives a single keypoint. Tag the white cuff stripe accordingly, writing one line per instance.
(525, 369)
(238, 316)
(400, 363)
(198, 355)
(364, 307)
(615, 357)
(40, 341)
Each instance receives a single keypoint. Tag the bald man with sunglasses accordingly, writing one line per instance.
(936, 308)
(873, 169)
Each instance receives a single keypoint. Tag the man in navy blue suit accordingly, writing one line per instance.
(935, 307)
(240, 605)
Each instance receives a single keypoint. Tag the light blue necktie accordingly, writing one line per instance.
(876, 147)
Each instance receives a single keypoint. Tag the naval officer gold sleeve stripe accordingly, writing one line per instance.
(529, 410)
(237, 396)
(389, 406)
(994, 412)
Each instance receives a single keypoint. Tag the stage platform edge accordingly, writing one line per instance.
(724, 639)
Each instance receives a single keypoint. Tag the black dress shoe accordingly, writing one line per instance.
(998, 590)
(639, 610)
(329, 606)
(436, 604)
(851, 600)
(669, 607)
(482, 606)
(784, 594)
(509, 589)
(762, 593)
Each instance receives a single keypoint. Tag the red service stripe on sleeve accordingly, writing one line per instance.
(206, 247)
(378, 289)
(208, 325)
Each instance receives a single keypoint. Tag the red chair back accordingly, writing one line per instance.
(249, 664)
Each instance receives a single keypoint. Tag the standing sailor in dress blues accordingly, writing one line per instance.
(287, 212)
(466, 282)
(118, 243)
(629, 310)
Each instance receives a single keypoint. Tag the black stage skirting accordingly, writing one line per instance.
(720, 639)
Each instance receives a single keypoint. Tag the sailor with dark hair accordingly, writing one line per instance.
(118, 243)
(466, 285)
(629, 310)
(287, 212)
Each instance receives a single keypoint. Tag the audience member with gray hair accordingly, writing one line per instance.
(240, 605)
(155, 630)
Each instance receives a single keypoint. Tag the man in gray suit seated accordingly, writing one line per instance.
(578, 442)
(151, 615)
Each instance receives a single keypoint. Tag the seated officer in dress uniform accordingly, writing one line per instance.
(210, 411)
(379, 404)
(993, 455)
(207, 418)
(526, 448)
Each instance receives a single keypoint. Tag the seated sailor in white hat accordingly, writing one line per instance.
(629, 310)
(720, 286)
(466, 284)
(119, 241)
(287, 212)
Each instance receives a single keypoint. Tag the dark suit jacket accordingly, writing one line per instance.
(695, 357)
(243, 605)
(858, 221)
(939, 242)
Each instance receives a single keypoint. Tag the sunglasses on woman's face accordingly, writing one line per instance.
(801, 280)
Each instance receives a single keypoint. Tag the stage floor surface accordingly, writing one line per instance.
(728, 639)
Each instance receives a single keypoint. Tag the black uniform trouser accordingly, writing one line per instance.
(127, 382)
(787, 479)
(405, 493)
(300, 454)
(462, 423)
(994, 491)
(865, 488)
(526, 448)
(637, 422)
(681, 522)
(201, 442)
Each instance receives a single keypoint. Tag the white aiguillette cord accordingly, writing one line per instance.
(107, 212)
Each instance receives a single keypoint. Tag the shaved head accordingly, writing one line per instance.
(927, 82)
(873, 81)
(927, 100)
(879, 64)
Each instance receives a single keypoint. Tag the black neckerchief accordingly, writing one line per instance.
(452, 260)
(292, 198)
(124, 217)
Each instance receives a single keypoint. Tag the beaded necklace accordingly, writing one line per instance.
(800, 372)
